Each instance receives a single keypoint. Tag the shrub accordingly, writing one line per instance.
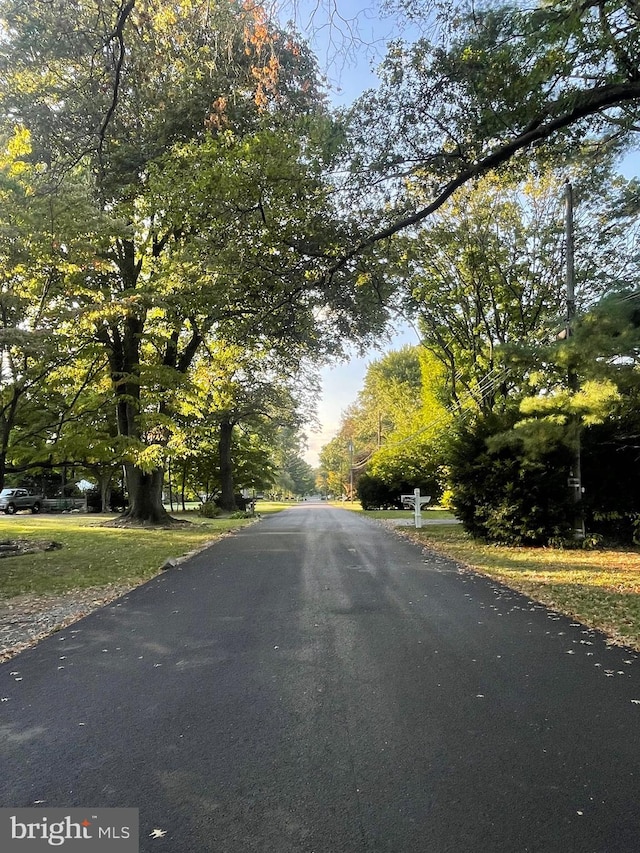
(506, 491)
(375, 494)
(610, 476)
(209, 510)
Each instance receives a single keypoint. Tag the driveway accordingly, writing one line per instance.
(317, 684)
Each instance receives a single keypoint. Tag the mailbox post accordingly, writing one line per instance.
(416, 503)
(418, 507)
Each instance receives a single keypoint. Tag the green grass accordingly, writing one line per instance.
(601, 588)
(268, 507)
(428, 513)
(96, 556)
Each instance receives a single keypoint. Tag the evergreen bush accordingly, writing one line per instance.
(505, 492)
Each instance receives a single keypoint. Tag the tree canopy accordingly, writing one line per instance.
(175, 185)
(488, 86)
(180, 153)
(393, 431)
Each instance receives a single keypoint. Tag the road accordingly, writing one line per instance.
(317, 684)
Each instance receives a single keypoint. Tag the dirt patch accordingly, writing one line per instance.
(16, 547)
(27, 619)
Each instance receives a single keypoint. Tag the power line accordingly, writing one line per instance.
(491, 379)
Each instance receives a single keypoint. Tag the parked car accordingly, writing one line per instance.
(11, 500)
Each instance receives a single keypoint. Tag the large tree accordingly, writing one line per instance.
(515, 466)
(200, 137)
(486, 278)
(37, 344)
(486, 86)
(235, 390)
(393, 429)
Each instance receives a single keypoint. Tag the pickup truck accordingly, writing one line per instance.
(12, 500)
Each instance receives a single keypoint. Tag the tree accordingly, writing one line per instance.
(486, 279)
(233, 388)
(180, 119)
(396, 426)
(290, 465)
(489, 87)
(601, 412)
(506, 489)
(35, 350)
(82, 429)
(412, 454)
(374, 493)
(390, 393)
(336, 460)
(510, 471)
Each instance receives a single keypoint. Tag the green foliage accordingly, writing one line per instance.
(257, 397)
(178, 201)
(294, 476)
(209, 510)
(488, 87)
(334, 471)
(486, 279)
(373, 493)
(395, 426)
(416, 460)
(509, 473)
(611, 473)
(504, 493)
(376, 493)
(607, 337)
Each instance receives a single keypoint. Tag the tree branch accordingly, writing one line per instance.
(584, 104)
(118, 35)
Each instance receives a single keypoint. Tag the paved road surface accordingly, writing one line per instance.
(315, 684)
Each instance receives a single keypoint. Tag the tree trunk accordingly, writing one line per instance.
(7, 425)
(227, 497)
(105, 491)
(169, 473)
(183, 486)
(144, 488)
(123, 342)
(145, 499)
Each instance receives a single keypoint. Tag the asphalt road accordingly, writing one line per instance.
(316, 684)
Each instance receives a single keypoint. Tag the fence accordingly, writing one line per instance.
(64, 504)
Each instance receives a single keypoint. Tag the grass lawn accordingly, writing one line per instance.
(427, 514)
(95, 556)
(268, 507)
(600, 588)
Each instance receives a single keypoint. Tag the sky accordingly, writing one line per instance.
(350, 72)
(348, 48)
(340, 386)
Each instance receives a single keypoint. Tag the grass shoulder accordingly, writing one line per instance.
(430, 513)
(600, 588)
(96, 556)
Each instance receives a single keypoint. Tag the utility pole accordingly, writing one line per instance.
(350, 470)
(575, 474)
